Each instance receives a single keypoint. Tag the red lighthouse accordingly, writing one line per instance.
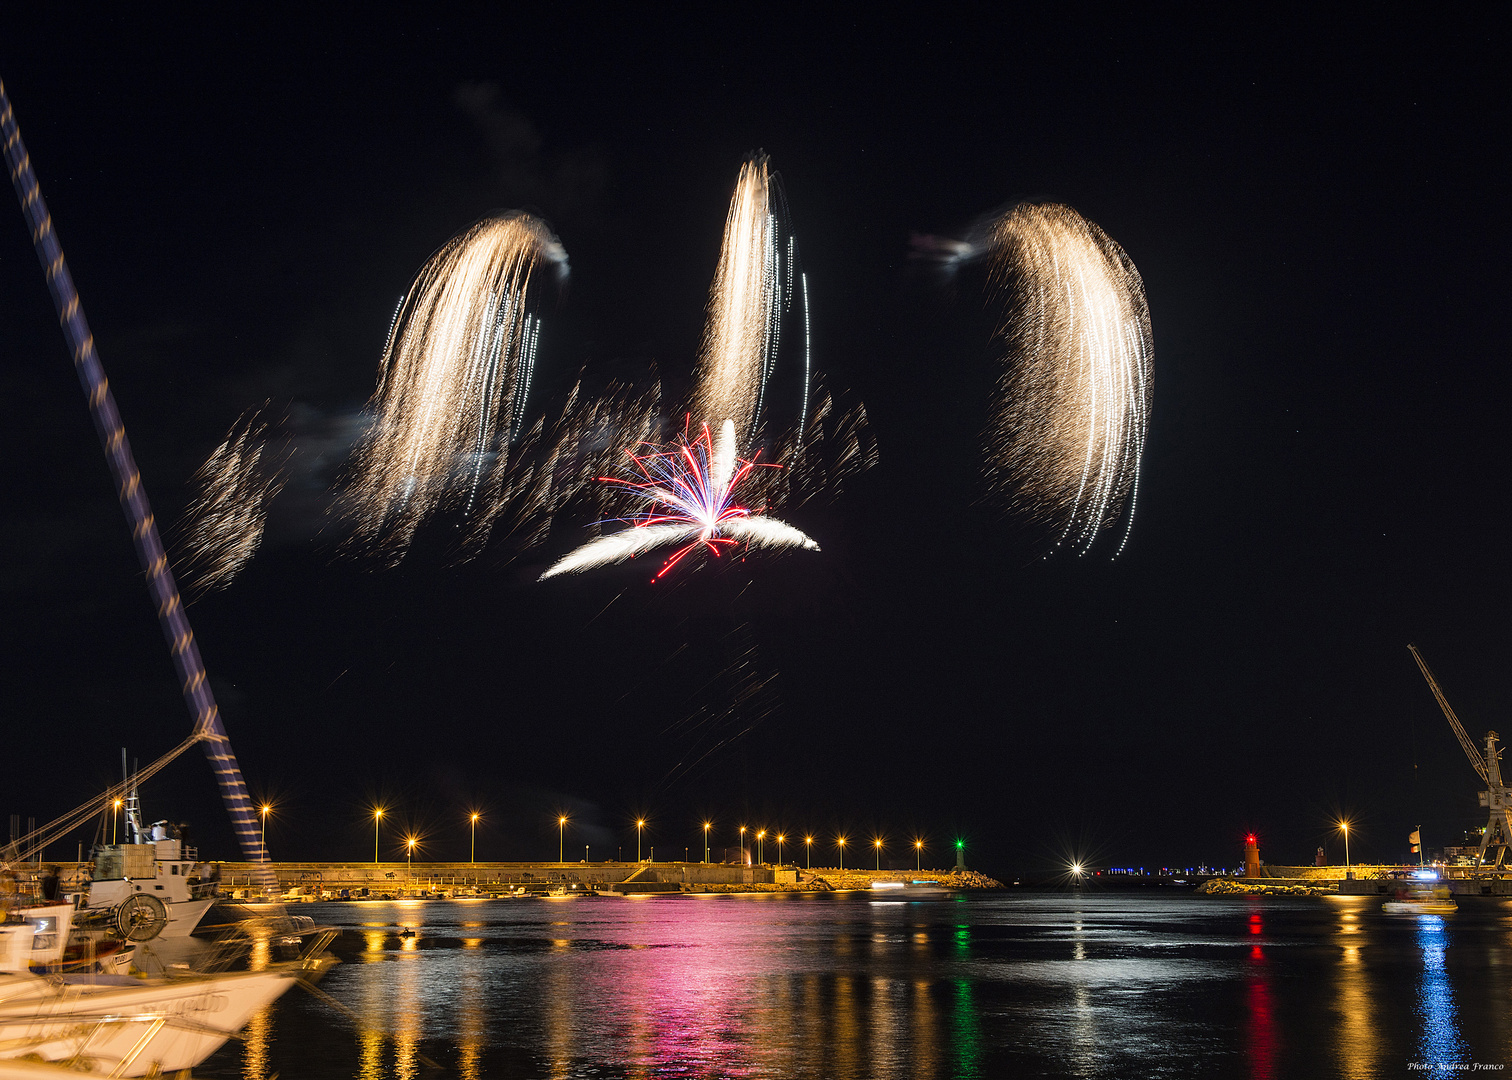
(1251, 856)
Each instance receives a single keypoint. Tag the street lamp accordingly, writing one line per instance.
(409, 858)
(808, 855)
(780, 841)
(1344, 827)
(918, 856)
(742, 846)
(840, 843)
(114, 819)
(640, 826)
(472, 854)
(761, 848)
(264, 810)
(377, 817)
(877, 843)
(706, 840)
(561, 838)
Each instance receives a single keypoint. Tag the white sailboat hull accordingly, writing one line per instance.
(130, 1030)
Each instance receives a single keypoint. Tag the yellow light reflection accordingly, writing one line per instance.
(1358, 1049)
(258, 1034)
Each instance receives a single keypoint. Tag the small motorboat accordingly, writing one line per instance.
(908, 890)
(1421, 900)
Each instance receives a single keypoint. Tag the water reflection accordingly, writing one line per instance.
(1084, 1049)
(846, 990)
(259, 1030)
(966, 1032)
(471, 1022)
(1259, 1003)
(1440, 1044)
(406, 1010)
(1358, 1047)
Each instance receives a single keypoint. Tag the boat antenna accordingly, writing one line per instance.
(128, 481)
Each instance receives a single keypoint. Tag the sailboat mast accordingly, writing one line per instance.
(133, 498)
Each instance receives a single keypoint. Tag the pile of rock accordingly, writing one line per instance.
(951, 879)
(970, 879)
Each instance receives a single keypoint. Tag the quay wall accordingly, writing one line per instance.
(421, 875)
(1324, 873)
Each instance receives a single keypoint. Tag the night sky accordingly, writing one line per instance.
(1319, 215)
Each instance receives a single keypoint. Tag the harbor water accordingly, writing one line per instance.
(847, 986)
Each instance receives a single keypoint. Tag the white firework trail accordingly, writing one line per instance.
(743, 328)
(756, 285)
(1072, 410)
(455, 378)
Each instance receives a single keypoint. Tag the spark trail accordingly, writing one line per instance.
(223, 526)
(456, 375)
(755, 366)
(689, 491)
(741, 332)
(1072, 409)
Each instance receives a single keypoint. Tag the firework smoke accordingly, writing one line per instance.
(690, 491)
(1073, 405)
(456, 376)
(223, 525)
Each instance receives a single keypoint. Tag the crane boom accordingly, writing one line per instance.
(1471, 751)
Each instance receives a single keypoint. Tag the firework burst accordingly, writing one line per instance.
(689, 492)
(1073, 406)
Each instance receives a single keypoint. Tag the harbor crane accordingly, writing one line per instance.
(1497, 797)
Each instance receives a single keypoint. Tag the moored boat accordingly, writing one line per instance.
(1421, 900)
(113, 1024)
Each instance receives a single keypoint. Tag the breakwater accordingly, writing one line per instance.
(317, 878)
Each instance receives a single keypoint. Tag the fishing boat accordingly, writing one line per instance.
(156, 869)
(114, 1025)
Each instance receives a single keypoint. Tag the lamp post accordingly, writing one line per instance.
(840, 843)
(1344, 827)
(706, 840)
(780, 841)
(409, 859)
(377, 817)
(761, 848)
(640, 826)
(742, 845)
(561, 838)
(264, 811)
(114, 820)
(472, 854)
(918, 856)
(877, 843)
(808, 854)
